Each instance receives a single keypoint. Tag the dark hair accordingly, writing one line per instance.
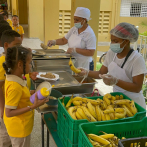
(4, 27)
(14, 55)
(1, 17)
(9, 36)
(4, 12)
(15, 16)
(4, 22)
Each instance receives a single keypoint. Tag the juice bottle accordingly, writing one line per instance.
(41, 94)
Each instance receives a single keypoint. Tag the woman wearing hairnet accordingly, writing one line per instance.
(123, 67)
(81, 39)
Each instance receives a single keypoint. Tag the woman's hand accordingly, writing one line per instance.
(108, 79)
(33, 75)
(51, 43)
(38, 102)
(71, 50)
(84, 72)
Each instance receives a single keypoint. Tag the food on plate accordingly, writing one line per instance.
(39, 53)
(48, 75)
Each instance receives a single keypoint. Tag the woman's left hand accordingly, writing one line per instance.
(108, 79)
(33, 75)
(71, 50)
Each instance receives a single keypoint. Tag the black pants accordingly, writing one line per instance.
(91, 66)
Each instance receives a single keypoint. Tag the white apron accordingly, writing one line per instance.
(120, 73)
(81, 61)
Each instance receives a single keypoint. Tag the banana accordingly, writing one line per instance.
(133, 108)
(112, 116)
(98, 113)
(103, 105)
(103, 116)
(120, 115)
(99, 139)
(113, 98)
(119, 110)
(112, 142)
(63, 101)
(121, 102)
(94, 102)
(107, 101)
(117, 97)
(121, 97)
(77, 103)
(77, 99)
(115, 139)
(107, 136)
(91, 109)
(108, 95)
(123, 138)
(71, 111)
(109, 109)
(78, 115)
(107, 116)
(128, 112)
(72, 67)
(84, 104)
(81, 113)
(69, 102)
(94, 143)
(88, 114)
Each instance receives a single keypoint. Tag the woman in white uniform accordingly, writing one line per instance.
(81, 39)
(125, 67)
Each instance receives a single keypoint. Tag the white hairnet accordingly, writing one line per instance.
(125, 31)
(83, 12)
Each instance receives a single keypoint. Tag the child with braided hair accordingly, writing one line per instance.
(19, 113)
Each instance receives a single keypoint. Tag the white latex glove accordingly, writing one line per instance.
(108, 79)
(51, 43)
(84, 72)
(71, 50)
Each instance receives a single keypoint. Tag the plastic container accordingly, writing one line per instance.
(41, 94)
(71, 126)
(56, 94)
(122, 129)
(137, 142)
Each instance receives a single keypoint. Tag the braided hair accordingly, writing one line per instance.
(14, 55)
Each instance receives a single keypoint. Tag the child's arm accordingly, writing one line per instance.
(22, 37)
(15, 112)
(2, 99)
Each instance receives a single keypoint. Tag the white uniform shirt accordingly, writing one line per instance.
(135, 64)
(88, 38)
(1, 50)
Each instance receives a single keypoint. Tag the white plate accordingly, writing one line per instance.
(48, 79)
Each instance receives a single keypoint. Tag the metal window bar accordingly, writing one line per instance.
(133, 8)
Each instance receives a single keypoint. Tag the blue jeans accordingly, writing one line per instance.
(91, 66)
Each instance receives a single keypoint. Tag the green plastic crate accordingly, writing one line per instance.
(71, 126)
(65, 141)
(123, 129)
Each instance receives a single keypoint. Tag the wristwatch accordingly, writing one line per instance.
(29, 108)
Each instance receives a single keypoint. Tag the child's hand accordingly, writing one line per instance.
(32, 92)
(33, 75)
(38, 102)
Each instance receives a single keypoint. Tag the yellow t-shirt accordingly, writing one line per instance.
(18, 29)
(2, 71)
(10, 22)
(17, 96)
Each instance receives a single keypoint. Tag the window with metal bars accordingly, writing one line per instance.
(133, 8)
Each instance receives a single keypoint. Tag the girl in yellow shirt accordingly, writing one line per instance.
(19, 111)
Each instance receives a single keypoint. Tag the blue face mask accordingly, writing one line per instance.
(115, 47)
(78, 25)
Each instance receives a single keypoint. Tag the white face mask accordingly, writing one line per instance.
(78, 25)
(115, 47)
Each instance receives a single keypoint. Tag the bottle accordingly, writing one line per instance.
(41, 94)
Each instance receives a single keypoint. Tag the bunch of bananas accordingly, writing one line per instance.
(105, 140)
(109, 108)
(72, 67)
